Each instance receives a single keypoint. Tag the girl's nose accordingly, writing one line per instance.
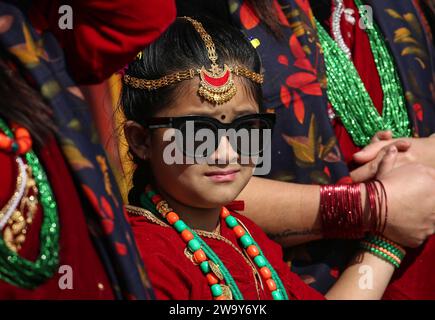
(225, 154)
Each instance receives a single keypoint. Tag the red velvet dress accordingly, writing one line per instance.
(76, 249)
(414, 279)
(174, 276)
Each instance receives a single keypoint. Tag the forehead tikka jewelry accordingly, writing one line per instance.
(216, 84)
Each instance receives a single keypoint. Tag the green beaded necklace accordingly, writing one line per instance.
(350, 98)
(154, 203)
(17, 270)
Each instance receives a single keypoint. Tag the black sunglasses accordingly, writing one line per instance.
(246, 133)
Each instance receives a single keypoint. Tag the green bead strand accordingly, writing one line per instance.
(380, 254)
(276, 295)
(194, 245)
(216, 290)
(231, 221)
(22, 272)
(349, 97)
(205, 267)
(237, 294)
(246, 241)
(260, 261)
(180, 226)
(384, 244)
(280, 286)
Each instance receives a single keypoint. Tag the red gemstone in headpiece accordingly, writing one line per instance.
(217, 81)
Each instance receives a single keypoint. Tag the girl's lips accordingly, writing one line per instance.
(222, 175)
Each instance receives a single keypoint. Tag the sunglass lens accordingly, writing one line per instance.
(197, 139)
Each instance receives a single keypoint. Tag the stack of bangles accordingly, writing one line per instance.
(383, 248)
(342, 216)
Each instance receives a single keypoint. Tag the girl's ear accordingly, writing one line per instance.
(138, 139)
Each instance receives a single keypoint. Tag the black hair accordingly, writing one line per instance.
(22, 104)
(268, 14)
(180, 48)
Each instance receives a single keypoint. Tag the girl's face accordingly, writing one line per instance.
(199, 185)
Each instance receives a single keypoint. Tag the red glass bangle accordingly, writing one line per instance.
(341, 209)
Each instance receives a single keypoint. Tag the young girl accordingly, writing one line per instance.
(208, 75)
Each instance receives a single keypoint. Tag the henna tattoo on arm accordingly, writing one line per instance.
(294, 233)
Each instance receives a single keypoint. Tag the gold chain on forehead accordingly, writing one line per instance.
(216, 85)
(208, 41)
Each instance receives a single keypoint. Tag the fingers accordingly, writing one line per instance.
(371, 151)
(402, 145)
(362, 174)
(370, 170)
(388, 161)
(382, 135)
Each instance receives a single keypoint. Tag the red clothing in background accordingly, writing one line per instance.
(415, 278)
(174, 276)
(76, 249)
(106, 35)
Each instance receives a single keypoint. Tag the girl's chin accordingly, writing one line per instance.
(218, 198)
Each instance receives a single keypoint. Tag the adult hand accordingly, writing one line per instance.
(370, 169)
(411, 150)
(411, 203)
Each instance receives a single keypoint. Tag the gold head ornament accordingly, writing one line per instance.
(216, 84)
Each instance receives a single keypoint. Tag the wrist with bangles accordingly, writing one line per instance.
(344, 215)
(383, 248)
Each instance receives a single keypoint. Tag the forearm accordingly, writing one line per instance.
(366, 278)
(287, 212)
